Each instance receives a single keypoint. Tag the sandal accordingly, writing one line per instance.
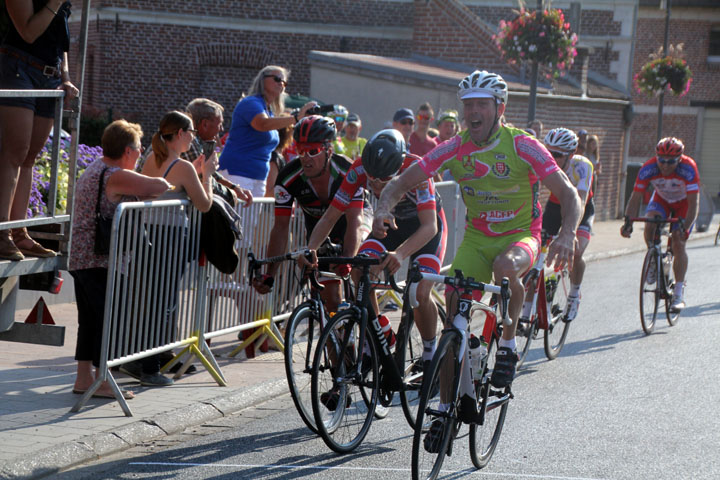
(20, 235)
(127, 394)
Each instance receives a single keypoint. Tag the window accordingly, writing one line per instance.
(714, 47)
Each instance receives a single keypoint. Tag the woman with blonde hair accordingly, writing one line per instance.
(592, 152)
(253, 135)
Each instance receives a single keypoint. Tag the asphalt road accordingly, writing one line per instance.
(616, 404)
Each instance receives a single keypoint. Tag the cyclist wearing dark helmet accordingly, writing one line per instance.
(422, 229)
(311, 180)
(676, 181)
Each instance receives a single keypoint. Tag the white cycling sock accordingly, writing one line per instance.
(429, 348)
(444, 407)
(508, 343)
(679, 287)
(574, 290)
(526, 309)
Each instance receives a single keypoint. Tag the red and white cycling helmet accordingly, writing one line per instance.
(483, 84)
(561, 139)
(670, 147)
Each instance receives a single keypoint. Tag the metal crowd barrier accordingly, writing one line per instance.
(161, 294)
(155, 298)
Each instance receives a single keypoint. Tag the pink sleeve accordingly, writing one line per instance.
(536, 155)
(433, 161)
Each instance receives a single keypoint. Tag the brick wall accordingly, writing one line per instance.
(604, 120)
(650, 36)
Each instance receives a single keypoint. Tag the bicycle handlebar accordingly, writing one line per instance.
(655, 220)
(463, 283)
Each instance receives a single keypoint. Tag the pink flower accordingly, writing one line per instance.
(541, 34)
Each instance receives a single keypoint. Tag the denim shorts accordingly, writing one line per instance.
(17, 74)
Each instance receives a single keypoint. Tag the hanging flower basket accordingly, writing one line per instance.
(669, 73)
(541, 36)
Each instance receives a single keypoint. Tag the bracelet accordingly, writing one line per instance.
(53, 11)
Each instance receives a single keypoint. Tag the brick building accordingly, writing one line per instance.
(148, 56)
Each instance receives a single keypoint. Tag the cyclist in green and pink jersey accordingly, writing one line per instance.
(499, 169)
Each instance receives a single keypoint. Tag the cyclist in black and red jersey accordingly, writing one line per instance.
(311, 180)
(422, 230)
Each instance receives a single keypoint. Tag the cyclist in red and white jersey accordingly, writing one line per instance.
(498, 168)
(675, 178)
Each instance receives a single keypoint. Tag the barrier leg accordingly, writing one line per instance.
(93, 388)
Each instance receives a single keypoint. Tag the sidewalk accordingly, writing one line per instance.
(40, 436)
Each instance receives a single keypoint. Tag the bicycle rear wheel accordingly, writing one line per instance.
(649, 293)
(409, 359)
(437, 425)
(301, 335)
(557, 289)
(344, 398)
(492, 406)
(717, 236)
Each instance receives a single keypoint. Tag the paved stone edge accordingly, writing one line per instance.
(52, 460)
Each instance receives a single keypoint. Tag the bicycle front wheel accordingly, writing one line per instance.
(301, 335)
(409, 359)
(344, 392)
(717, 236)
(558, 287)
(649, 292)
(669, 285)
(492, 406)
(437, 421)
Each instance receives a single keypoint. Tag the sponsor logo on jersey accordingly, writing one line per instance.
(351, 176)
(342, 197)
(500, 156)
(423, 194)
(531, 148)
(282, 195)
(501, 170)
(467, 162)
(497, 215)
(469, 190)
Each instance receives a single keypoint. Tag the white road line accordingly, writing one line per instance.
(318, 467)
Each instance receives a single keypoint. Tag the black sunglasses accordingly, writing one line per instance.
(668, 161)
(407, 121)
(278, 79)
(557, 155)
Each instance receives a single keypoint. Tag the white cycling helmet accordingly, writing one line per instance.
(483, 84)
(562, 139)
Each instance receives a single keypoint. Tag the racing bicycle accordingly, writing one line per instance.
(442, 411)
(548, 287)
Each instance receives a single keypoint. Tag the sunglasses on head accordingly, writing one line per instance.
(407, 121)
(668, 161)
(278, 79)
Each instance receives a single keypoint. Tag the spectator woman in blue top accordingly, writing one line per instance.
(253, 136)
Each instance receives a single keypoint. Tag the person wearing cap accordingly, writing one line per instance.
(420, 142)
(447, 125)
(499, 169)
(422, 232)
(582, 141)
(403, 122)
(352, 142)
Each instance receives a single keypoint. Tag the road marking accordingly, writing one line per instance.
(318, 467)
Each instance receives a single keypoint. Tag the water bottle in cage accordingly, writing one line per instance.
(478, 352)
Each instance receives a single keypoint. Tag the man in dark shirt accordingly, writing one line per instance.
(311, 180)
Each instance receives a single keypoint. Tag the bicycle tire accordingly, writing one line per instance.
(649, 293)
(409, 356)
(445, 363)
(492, 406)
(557, 330)
(301, 335)
(526, 332)
(344, 427)
(717, 236)
(669, 285)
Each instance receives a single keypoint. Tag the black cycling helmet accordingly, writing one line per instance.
(314, 129)
(384, 153)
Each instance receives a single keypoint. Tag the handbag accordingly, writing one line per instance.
(103, 225)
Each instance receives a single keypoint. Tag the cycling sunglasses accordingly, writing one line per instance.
(557, 155)
(339, 119)
(668, 161)
(310, 151)
(383, 180)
